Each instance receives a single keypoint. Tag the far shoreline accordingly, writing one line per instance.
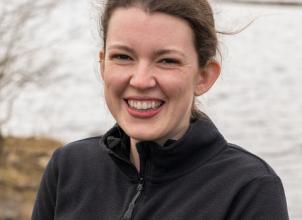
(265, 2)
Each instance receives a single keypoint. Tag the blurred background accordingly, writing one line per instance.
(51, 94)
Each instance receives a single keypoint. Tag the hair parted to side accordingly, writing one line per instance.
(198, 14)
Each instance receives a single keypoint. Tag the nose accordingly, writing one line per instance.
(143, 77)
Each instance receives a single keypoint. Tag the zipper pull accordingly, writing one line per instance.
(139, 189)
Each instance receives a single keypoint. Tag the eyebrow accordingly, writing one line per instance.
(121, 47)
(169, 51)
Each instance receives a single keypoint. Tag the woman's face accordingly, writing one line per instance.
(151, 73)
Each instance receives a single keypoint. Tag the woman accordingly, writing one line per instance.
(163, 159)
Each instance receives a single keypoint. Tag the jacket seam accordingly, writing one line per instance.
(172, 178)
(235, 147)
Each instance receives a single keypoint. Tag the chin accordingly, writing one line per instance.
(140, 135)
(144, 137)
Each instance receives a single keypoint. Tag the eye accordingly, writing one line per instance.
(169, 61)
(120, 57)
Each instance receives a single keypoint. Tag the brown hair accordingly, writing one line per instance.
(198, 14)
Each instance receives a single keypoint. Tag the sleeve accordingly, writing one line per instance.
(44, 207)
(263, 199)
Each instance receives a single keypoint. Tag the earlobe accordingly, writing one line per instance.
(102, 64)
(207, 77)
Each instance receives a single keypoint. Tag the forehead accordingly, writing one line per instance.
(135, 25)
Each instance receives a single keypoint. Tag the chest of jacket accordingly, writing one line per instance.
(108, 194)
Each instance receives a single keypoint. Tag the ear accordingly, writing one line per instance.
(207, 77)
(102, 63)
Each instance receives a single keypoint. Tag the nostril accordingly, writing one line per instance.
(142, 82)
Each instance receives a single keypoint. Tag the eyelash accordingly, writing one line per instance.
(164, 61)
(169, 61)
(122, 57)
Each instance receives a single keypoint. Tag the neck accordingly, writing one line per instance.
(134, 157)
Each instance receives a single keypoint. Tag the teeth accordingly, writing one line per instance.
(144, 105)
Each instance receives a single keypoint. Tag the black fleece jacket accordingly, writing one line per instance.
(199, 177)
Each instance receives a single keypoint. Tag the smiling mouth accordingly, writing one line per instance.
(144, 105)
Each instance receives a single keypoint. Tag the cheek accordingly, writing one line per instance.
(114, 84)
(114, 87)
(178, 86)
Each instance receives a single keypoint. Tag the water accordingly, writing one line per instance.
(256, 103)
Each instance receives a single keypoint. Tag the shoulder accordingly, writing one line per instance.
(85, 150)
(87, 144)
(242, 165)
(255, 185)
(250, 160)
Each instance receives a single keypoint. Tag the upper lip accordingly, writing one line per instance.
(143, 98)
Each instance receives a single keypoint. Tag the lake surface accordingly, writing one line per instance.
(256, 103)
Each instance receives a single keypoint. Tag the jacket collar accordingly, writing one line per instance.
(200, 143)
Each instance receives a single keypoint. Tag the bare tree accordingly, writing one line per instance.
(25, 57)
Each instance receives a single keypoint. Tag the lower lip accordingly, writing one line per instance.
(143, 114)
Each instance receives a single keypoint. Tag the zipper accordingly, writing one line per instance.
(129, 212)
